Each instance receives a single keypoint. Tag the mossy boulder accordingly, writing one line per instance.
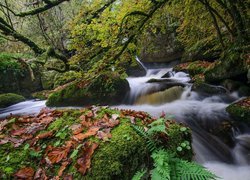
(15, 75)
(60, 143)
(10, 99)
(105, 89)
(194, 68)
(228, 69)
(64, 78)
(240, 111)
(48, 79)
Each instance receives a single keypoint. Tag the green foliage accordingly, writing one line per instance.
(10, 65)
(139, 175)
(166, 164)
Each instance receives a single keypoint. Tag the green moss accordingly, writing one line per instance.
(10, 99)
(121, 157)
(118, 158)
(179, 141)
(240, 112)
(12, 159)
(103, 89)
(65, 78)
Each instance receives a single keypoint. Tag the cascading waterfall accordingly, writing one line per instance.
(202, 113)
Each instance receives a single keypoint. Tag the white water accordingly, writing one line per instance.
(198, 111)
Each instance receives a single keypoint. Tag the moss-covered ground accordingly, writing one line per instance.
(90, 143)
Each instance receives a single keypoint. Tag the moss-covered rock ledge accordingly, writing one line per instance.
(9, 99)
(91, 143)
(240, 110)
(105, 89)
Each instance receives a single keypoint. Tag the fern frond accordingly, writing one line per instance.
(157, 129)
(151, 143)
(159, 121)
(140, 131)
(189, 170)
(139, 175)
(161, 163)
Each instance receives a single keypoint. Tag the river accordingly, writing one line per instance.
(203, 113)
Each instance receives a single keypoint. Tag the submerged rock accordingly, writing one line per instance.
(161, 97)
(240, 110)
(10, 99)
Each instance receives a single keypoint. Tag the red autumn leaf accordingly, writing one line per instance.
(18, 132)
(44, 135)
(85, 122)
(68, 177)
(3, 123)
(63, 167)
(40, 175)
(91, 132)
(15, 141)
(58, 154)
(90, 114)
(27, 136)
(46, 120)
(76, 128)
(83, 163)
(104, 134)
(25, 173)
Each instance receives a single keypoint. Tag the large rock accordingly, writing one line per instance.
(228, 69)
(48, 79)
(16, 77)
(240, 111)
(10, 99)
(106, 88)
(90, 143)
(161, 47)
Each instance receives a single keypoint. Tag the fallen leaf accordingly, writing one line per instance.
(3, 123)
(18, 132)
(58, 154)
(47, 120)
(115, 116)
(40, 175)
(25, 173)
(68, 177)
(104, 134)
(132, 119)
(45, 135)
(83, 163)
(76, 128)
(91, 132)
(63, 167)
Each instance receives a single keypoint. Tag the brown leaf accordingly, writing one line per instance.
(83, 163)
(63, 167)
(68, 177)
(45, 135)
(15, 141)
(57, 154)
(18, 132)
(40, 175)
(47, 120)
(76, 128)
(91, 132)
(25, 173)
(85, 122)
(104, 135)
(3, 123)
(90, 114)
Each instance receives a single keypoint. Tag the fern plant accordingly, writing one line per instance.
(166, 165)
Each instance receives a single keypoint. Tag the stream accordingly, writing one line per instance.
(203, 113)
